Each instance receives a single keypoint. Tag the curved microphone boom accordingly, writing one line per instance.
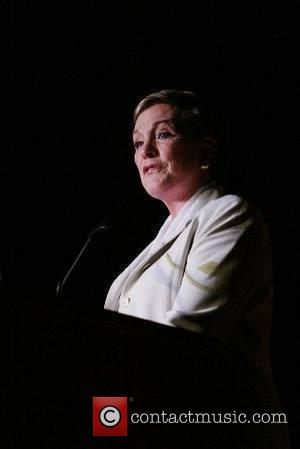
(60, 285)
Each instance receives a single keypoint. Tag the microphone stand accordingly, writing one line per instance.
(60, 285)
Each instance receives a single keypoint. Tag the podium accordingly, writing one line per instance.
(64, 354)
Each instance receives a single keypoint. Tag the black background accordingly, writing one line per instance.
(78, 71)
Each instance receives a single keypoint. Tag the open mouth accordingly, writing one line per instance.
(153, 168)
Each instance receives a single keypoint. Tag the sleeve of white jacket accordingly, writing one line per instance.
(224, 268)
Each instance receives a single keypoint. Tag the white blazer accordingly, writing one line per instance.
(208, 270)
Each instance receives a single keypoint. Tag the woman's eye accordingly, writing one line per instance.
(137, 145)
(163, 135)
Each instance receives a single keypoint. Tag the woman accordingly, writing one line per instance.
(209, 269)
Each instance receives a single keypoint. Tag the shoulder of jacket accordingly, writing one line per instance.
(227, 204)
(227, 211)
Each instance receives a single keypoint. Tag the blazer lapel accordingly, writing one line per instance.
(168, 233)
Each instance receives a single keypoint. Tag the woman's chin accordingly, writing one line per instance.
(153, 189)
(156, 190)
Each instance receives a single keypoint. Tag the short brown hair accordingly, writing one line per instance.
(189, 116)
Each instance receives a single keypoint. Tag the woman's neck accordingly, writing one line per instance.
(176, 201)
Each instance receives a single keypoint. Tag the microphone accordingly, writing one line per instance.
(102, 227)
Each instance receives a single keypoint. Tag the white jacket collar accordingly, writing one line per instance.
(171, 228)
(168, 232)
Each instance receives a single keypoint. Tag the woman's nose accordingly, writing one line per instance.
(149, 149)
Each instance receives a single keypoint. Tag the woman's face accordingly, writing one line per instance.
(168, 163)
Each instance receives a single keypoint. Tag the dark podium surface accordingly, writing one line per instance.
(63, 354)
